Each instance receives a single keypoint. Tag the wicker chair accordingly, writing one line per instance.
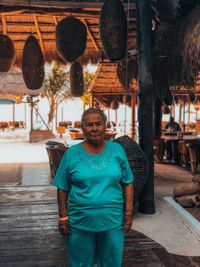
(184, 153)
(138, 163)
(55, 153)
(194, 151)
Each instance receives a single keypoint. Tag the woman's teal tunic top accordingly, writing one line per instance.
(94, 182)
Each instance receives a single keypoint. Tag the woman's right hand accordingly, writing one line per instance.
(64, 227)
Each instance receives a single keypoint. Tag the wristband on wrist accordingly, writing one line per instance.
(61, 219)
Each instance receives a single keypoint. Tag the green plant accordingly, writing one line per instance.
(56, 88)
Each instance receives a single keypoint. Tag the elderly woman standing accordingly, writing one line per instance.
(95, 196)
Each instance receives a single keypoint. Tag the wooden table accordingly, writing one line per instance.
(177, 138)
(172, 146)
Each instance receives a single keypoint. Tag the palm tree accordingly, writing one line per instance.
(56, 88)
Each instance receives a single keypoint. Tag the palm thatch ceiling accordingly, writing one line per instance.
(19, 19)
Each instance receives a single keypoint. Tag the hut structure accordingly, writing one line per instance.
(161, 74)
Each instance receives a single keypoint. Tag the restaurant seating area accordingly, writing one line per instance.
(181, 148)
(11, 125)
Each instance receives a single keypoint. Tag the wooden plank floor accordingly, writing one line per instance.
(29, 238)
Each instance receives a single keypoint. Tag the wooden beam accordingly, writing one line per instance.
(50, 11)
(60, 4)
(133, 103)
(55, 20)
(38, 32)
(4, 27)
(90, 35)
(112, 93)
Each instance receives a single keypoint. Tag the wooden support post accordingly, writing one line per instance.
(180, 114)
(157, 118)
(145, 110)
(188, 112)
(38, 32)
(31, 102)
(25, 116)
(4, 26)
(133, 102)
(13, 112)
(92, 100)
(62, 114)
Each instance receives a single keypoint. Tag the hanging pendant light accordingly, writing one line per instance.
(76, 79)
(127, 99)
(71, 38)
(7, 53)
(127, 71)
(113, 30)
(32, 64)
(114, 104)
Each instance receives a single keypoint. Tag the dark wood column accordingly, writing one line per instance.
(157, 118)
(145, 95)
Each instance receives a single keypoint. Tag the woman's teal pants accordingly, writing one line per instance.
(103, 248)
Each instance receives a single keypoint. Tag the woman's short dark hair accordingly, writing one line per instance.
(91, 111)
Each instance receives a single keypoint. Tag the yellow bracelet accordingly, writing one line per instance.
(63, 218)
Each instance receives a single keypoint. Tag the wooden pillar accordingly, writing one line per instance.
(13, 112)
(31, 102)
(25, 117)
(92, 100)
(157, 118)
(62, 114)
(180, 114)
(184, 115)
(133, 102)
(146, 202)
(189, 112)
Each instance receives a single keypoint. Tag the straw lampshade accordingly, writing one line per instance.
(32, 64)
(7, 53)
(76, 79)
(113, 29)
(71, 38)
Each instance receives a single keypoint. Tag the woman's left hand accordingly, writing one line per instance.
(128, 220)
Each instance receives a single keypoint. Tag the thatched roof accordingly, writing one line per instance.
(106, 85)
(19, 20)
(176, 53)
(13, 83)
(106, 80)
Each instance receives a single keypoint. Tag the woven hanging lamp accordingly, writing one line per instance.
(165, 109)
(113, 30)
(71, 38)
(114, 104)
(7, 53)
(76, 79)
(127, 99)
(32, 64)
(127, 71)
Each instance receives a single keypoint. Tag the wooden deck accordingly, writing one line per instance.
(29, 236)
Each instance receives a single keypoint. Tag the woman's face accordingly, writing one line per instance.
(94, 128)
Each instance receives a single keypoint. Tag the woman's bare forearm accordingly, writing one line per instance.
(62, 197)
(128, 198)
